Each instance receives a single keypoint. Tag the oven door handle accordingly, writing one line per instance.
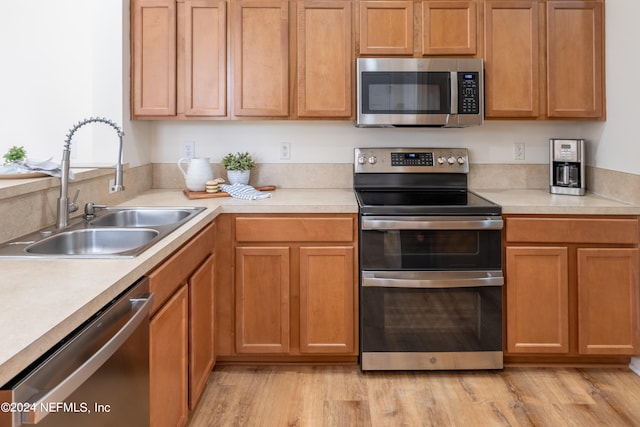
(432, 223)
(432, 279)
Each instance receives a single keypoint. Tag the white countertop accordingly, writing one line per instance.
(43, 300)
(542, 202)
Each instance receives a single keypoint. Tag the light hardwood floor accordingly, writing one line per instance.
(343, 396)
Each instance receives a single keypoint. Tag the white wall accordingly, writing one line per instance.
(69, 60)
(333, 142)
(63, 61)
(615, 144)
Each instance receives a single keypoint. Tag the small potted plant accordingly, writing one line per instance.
(15, 154)
(238, 167)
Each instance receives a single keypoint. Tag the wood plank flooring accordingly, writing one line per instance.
(330, 396)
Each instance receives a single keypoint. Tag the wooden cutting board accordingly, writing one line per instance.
(192, 195)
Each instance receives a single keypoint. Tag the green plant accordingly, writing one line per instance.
(238, 162)
(15, 154)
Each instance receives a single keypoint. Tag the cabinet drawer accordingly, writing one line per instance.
(165, 279)
(572, 230)
(294, 229)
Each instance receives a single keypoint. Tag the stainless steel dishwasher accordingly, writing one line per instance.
(97, 376)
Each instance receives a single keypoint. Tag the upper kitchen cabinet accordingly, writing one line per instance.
(153, 52)
(544, 59)
(386, 27)
(204, 52)
(443, 27)
(512, 59)
(287, 59)
(449, 27)
(178, 52)
(292, 60)
(575, 59)
(260, 50)
(324, 59)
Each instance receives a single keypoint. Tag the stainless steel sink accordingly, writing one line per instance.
(114, 233)
(97, 241)
(141, 217)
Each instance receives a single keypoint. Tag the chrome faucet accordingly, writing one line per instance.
(64, 207)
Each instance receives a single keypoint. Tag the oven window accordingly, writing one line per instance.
(430, 249)
(406, 92)
(431, 320)
(416, 243)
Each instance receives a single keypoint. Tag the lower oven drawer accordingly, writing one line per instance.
(439, 320)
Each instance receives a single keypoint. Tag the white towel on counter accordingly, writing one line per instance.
(243, 191)
(29, 166)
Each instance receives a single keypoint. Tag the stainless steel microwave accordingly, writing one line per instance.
(438, 92)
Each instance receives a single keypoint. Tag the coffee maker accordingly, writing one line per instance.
(566, 166)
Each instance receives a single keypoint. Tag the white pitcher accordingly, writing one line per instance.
(198, 173)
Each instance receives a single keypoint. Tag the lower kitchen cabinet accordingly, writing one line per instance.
(181, 330)
(262, 300)
(168, 368)
(608, 301)
(294, 288)
(327, 321)
(201, 327)
(537, 299)
(572, 287)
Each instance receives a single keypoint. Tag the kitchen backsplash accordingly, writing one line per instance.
(282, 175)
(32, 205)
(340, 175)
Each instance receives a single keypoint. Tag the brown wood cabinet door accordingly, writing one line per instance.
(449, 27)
(608, 300)
(327, 312)
(575, 66)
(537, 303)
(168, 363)
(512, 56)
(205, 58)
(260, 31)
(386, 27)
(201, 327)
(153, 45)
(324, 59)
(262, 300)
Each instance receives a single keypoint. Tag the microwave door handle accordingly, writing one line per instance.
(454, 92)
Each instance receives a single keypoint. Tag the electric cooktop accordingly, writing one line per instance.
(416, 181)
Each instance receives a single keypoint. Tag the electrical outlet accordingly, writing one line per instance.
(189, 149)
(518, 151)
(112, 183)
(285, 151)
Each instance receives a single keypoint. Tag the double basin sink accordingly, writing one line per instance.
(112, 233)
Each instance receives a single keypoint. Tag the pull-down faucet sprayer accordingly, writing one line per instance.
(64, 207)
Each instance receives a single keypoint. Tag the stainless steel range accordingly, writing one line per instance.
(431, 262)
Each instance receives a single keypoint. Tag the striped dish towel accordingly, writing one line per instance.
(243, 191)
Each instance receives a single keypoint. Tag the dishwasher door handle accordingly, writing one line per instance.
(37, 410)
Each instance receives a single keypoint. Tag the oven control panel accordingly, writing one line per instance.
(425, 160)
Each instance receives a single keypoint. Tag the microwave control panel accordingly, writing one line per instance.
(468, 93)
